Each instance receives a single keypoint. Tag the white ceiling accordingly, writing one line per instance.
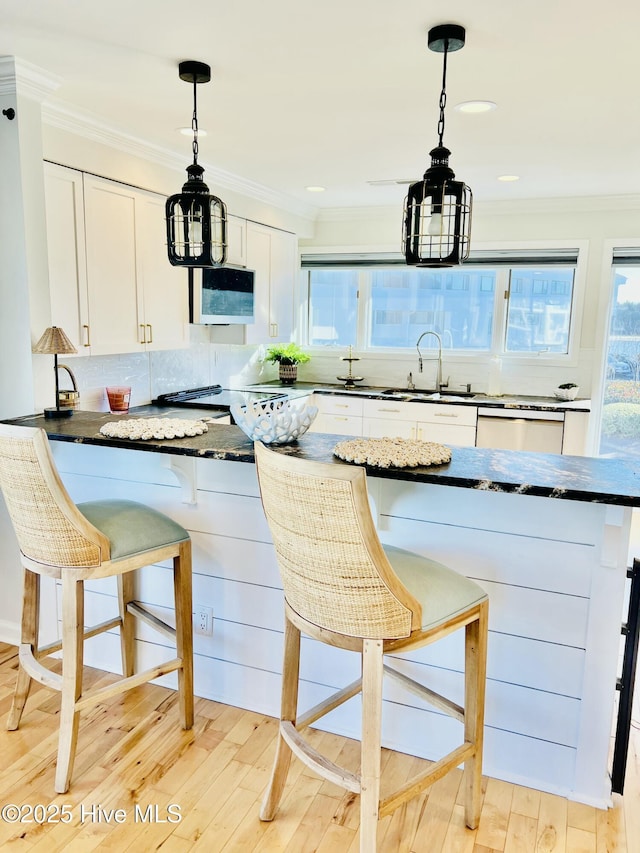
(343, 92)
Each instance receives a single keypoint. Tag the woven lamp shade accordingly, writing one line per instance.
(53, 342)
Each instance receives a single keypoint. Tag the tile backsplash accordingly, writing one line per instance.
(236, 366)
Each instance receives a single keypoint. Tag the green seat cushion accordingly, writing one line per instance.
(132, 527)
(442, 592)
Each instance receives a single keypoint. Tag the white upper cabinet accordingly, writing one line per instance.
(163, 299)
(112, 287)
(236, 241)
(110, 278)
(272, 254)
(110, 223)
(66, 251)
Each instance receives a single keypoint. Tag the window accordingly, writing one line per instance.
(376, 303)
(452, 304)
(620, 423)
(539, 310)
(333, 307)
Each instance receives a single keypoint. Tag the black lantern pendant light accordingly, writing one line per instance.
(196, 220)
(437, 214)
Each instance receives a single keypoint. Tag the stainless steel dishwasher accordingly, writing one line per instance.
(521, 429)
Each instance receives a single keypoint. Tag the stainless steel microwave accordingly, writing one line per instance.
(221, 295)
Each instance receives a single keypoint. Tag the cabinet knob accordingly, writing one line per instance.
(87, 342)
(142, 334)
(150, 338)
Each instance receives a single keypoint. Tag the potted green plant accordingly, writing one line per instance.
(288, 357)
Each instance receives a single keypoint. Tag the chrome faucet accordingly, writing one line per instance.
(439, 383)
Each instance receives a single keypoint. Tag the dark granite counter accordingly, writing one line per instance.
(504, 401)
(579, 478)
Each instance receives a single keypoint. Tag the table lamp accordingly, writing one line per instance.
(53, 342)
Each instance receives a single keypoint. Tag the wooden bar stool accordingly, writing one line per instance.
(97, 539)
(344, 588)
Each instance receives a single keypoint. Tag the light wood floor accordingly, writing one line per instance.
(132, 753)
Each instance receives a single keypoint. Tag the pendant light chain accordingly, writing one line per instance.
(443, 94)
(194, 122)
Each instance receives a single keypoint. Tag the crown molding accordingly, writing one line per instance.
(570, 204)
(23, 78)
(574, 204)
(65, 117)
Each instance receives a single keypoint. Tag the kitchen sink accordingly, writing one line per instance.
(406, 394)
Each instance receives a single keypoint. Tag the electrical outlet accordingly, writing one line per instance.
(203, 620)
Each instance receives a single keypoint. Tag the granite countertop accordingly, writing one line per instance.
(581, 478)
(504, 401)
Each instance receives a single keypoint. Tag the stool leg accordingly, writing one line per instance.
(475, 679)
(372, 672)
(72, 657)
(288, 713)
(184, 631)
(127, 629)
(29, 637)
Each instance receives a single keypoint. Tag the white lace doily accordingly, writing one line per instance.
(392, 452)
(147, 428)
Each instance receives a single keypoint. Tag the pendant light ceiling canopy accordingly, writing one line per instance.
(196, 220)
(437, 213)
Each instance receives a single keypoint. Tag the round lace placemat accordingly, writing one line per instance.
(147, 428)
(392, 452)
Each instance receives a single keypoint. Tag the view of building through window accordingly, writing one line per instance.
(389, 307)
(620, 425)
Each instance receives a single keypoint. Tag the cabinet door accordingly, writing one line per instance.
(236, 241)
(337, 424)
(388, 428)
(272, 254)
(284, 253)
(163, 290)
(64, 207)
(446, 423)
(574, 438)
(115, 323)
(462, 436)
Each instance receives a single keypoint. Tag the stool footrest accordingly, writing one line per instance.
(334, 701)
(50, 648)
(94, 697)
(316, 761)
(423, 780)
(430, 696)
(142, 613)
(36, 670)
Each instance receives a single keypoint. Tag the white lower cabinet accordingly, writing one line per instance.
(441, 422)
(338, 415)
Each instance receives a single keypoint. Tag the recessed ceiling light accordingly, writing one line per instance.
(188, 131)
(507, 178)
(475, 106)
(315, 189)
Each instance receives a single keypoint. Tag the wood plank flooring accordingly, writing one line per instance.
(141, 783)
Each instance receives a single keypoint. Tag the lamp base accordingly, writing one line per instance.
(58, 413)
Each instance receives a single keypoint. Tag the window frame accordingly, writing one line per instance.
(497, 349)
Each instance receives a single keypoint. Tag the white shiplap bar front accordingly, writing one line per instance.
(554, 571)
